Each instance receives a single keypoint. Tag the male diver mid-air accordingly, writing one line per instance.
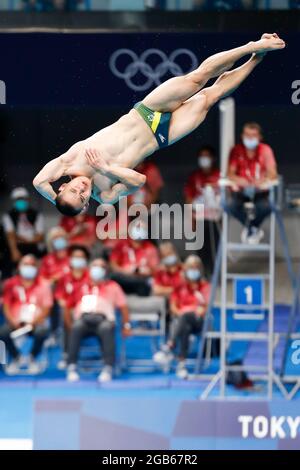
(169, 113)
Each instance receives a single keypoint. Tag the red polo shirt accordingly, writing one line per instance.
(104, 297)
(16, 295)
(126, 255)
(252, 169)
(166, 278)
(198, 180)
(54, 267)
(188, 297)
(87, 237)
(68, 285)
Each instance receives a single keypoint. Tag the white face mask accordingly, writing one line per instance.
(169, 260)
(137, 233)
(59, 243)
(204, 162)
(28, 272)
(193, 274)
(78, 263)
(250, 143)
(97, 273)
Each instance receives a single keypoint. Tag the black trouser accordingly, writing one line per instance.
(209, 250)
(133, 284)
(236, 207)
(104, 330)
(55, 317)
(182, 327)
(39, 335)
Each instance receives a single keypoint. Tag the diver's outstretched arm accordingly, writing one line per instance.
(51, 172)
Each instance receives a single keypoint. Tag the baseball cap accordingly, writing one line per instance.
(19, 193)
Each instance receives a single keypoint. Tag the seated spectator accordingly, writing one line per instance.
(24, 226)
(133, 262)
(56, 264)
(252, 171)
(81, 230)
(94, 304)
(202, 187)
(168, 276)
(150, 192)
(66, 287)
(27, 300)
(188, 304)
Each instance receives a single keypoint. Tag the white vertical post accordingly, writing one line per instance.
(227, 131)
(227, 140)
(271, 302)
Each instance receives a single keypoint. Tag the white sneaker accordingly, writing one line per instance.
(106, 374)
(51, 342)
(34, 367)
(13, 368)
(255, 236)
(181, 371)
(244, 235)
(164, 356)
(72, 374)
(252, 235)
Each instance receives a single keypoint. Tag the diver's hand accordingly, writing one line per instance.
(95, 160)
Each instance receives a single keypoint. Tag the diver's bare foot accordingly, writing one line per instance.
(267, 43)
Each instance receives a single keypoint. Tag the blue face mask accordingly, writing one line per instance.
(28, 272)
(97, 273)
(250, 143)
(193, 274)
(169, 260)
(59, 243)
(21, 205)
(78, 263)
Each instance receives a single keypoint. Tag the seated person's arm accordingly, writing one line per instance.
(13, 248)
(10, 319)
(115, 267)
(270, 178)
(162, 290)
(45, 311)
(235, 179)
(173, 308)
(125, 319)
(201, 310)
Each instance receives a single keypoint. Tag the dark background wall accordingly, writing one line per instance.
(60, 89)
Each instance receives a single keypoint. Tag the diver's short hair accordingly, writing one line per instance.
(65, 208)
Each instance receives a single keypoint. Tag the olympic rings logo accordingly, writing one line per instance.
(152, 73)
